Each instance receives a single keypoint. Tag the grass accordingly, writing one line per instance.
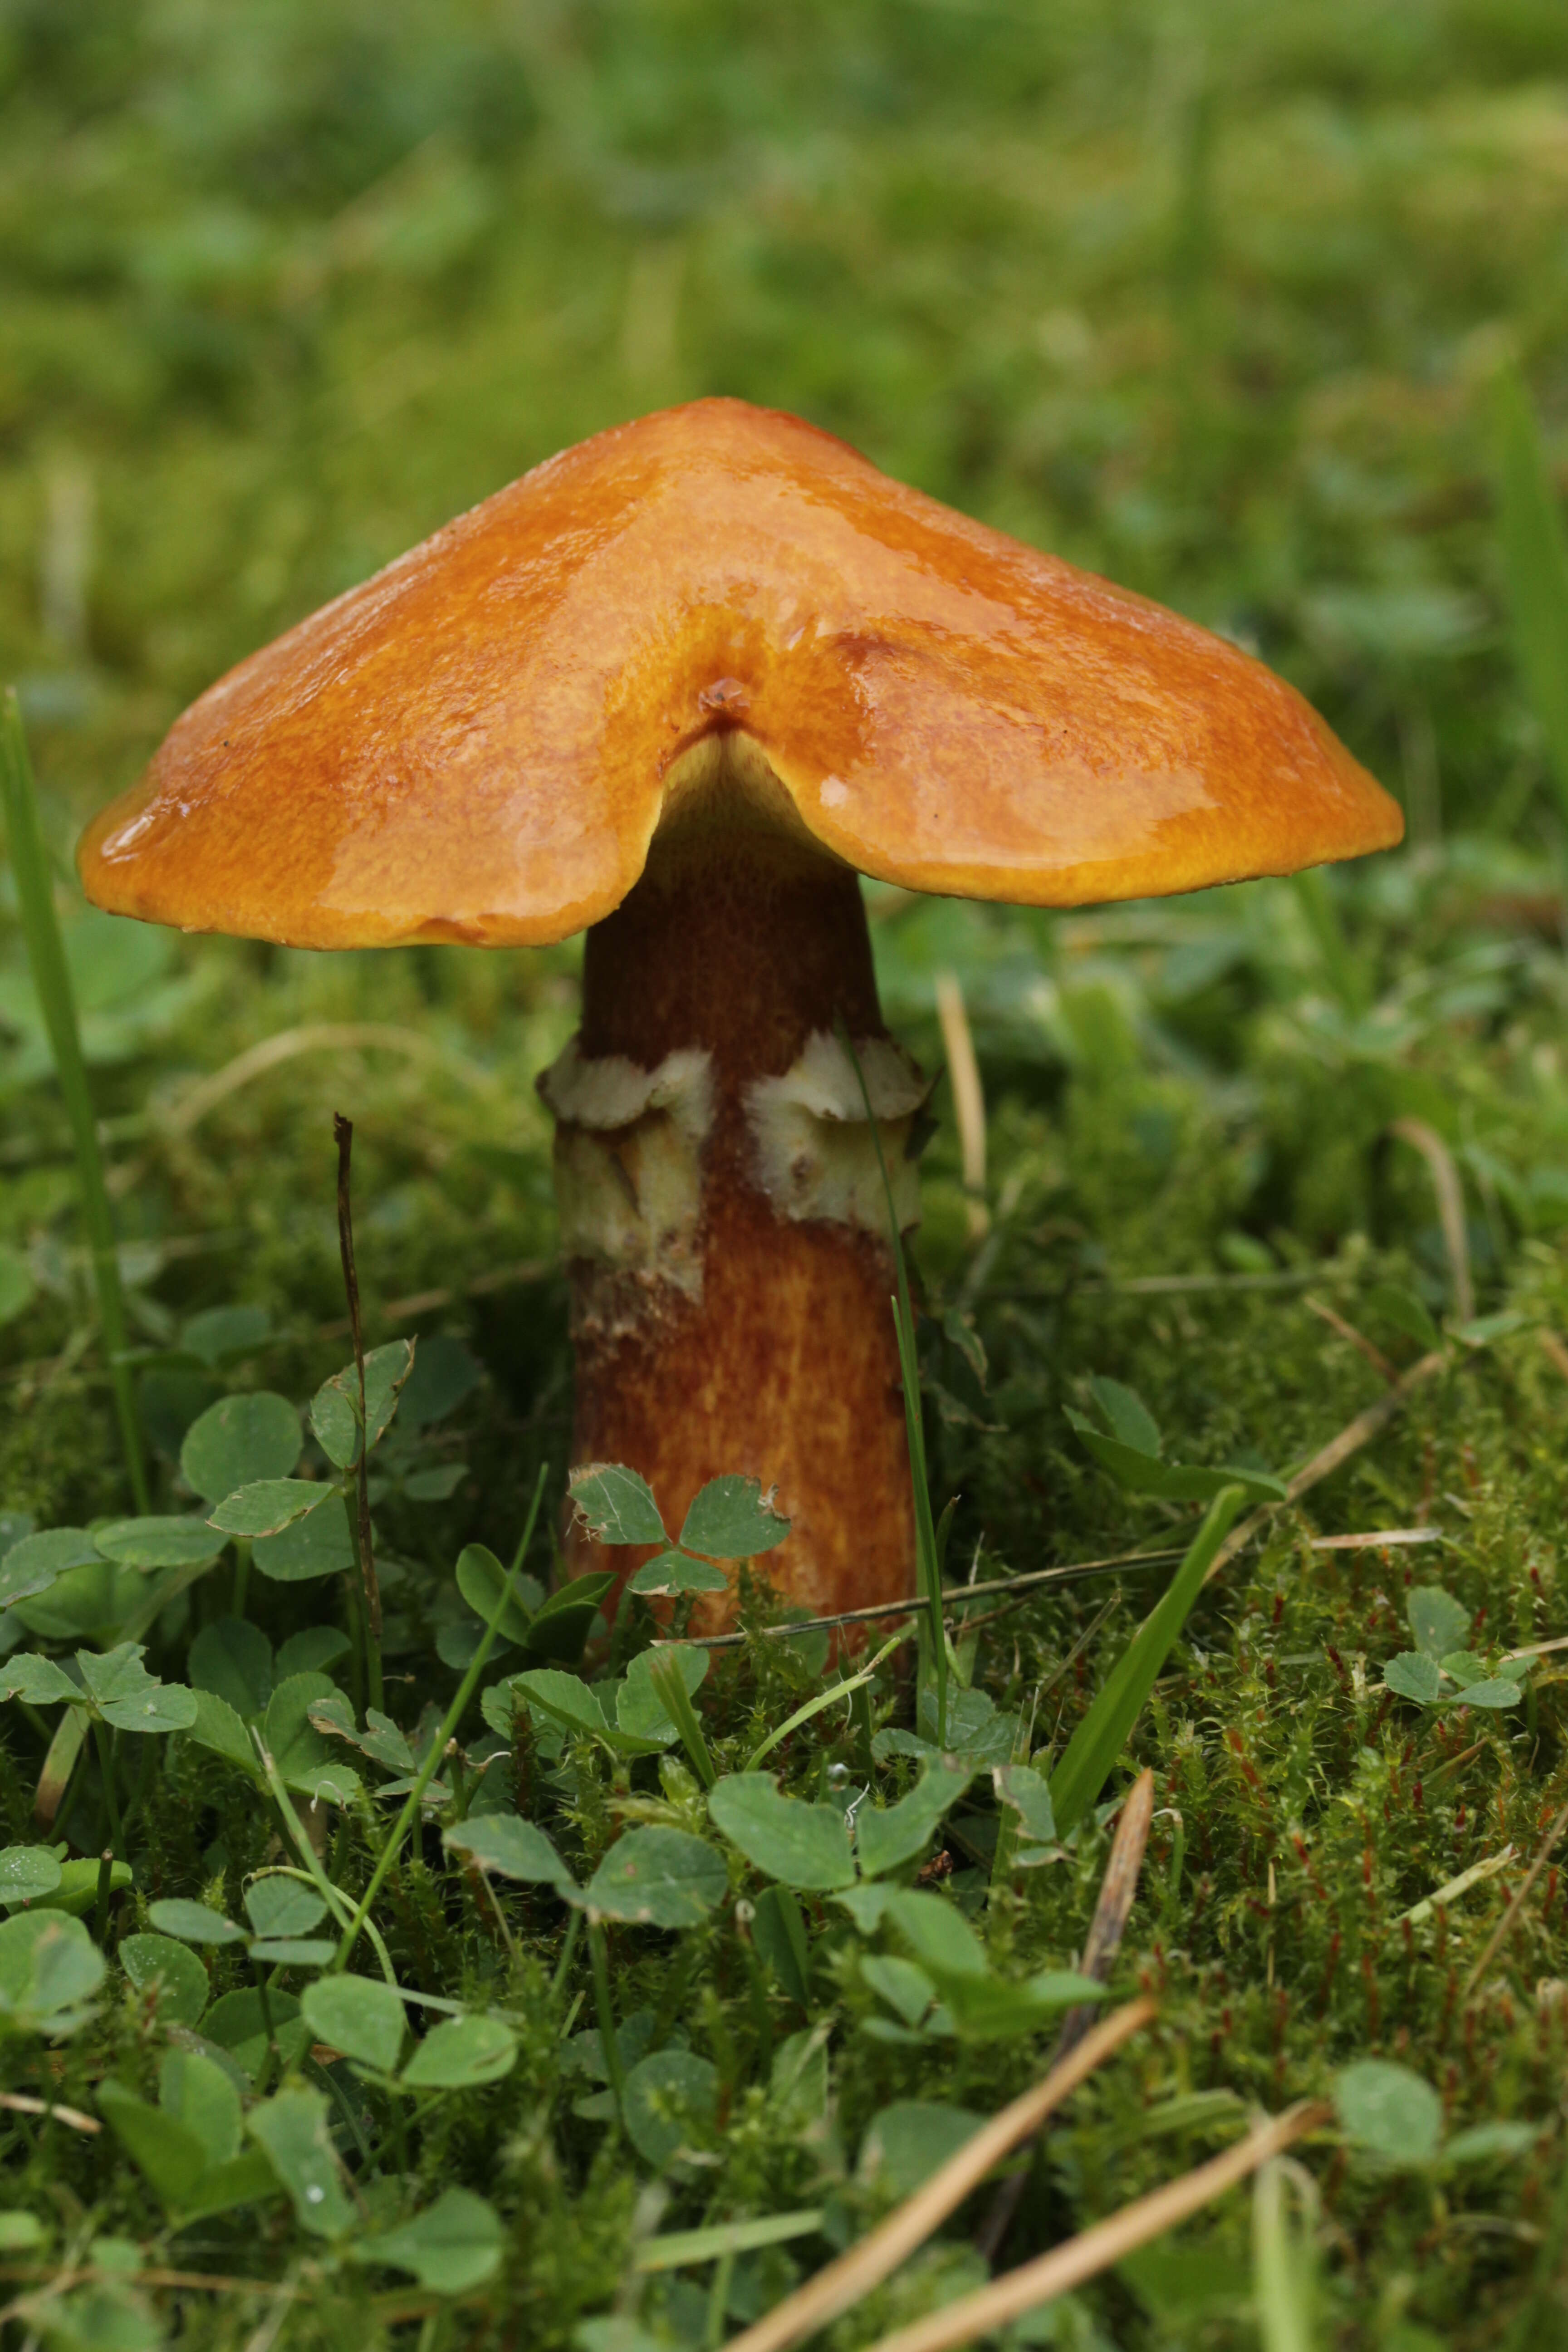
(1214, 300)
(51, 984)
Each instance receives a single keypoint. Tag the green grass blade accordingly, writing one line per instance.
(664, 1673)
(1282, 2263)
(340, 1905)
(824, 1698)
(1534, 2312)
(927, 1561)
(51, 978)
(1341, 968)
(1103, 1734)
(438, 1747)
(1535, 563)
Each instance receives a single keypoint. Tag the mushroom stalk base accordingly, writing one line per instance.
(723, 1222)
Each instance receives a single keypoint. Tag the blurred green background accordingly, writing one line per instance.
(1205, 294)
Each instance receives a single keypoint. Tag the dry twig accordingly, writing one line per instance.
(875, 2258)
(1327, 1459)
(313, 1037)
(430, 1302)
(1450, 1207)
(1336, 1322)
(1375, 1539)
(1111, 1912)
(22, 2103)
(1093, 2251)
(1504, 1928)
(968, 1097)
(951, 1597)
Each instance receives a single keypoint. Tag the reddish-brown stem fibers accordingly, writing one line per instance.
(769, 1327)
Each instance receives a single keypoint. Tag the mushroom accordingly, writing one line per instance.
(679, 687)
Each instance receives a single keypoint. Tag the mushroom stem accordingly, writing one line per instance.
(724, 1226)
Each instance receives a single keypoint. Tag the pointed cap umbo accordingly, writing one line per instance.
(477, 744)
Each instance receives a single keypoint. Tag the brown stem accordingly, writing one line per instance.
(765, 1343)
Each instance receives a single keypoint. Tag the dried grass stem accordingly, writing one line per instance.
(865, 2266)
(1093, 2251)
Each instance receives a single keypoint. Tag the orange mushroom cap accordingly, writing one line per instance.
(476, 744)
